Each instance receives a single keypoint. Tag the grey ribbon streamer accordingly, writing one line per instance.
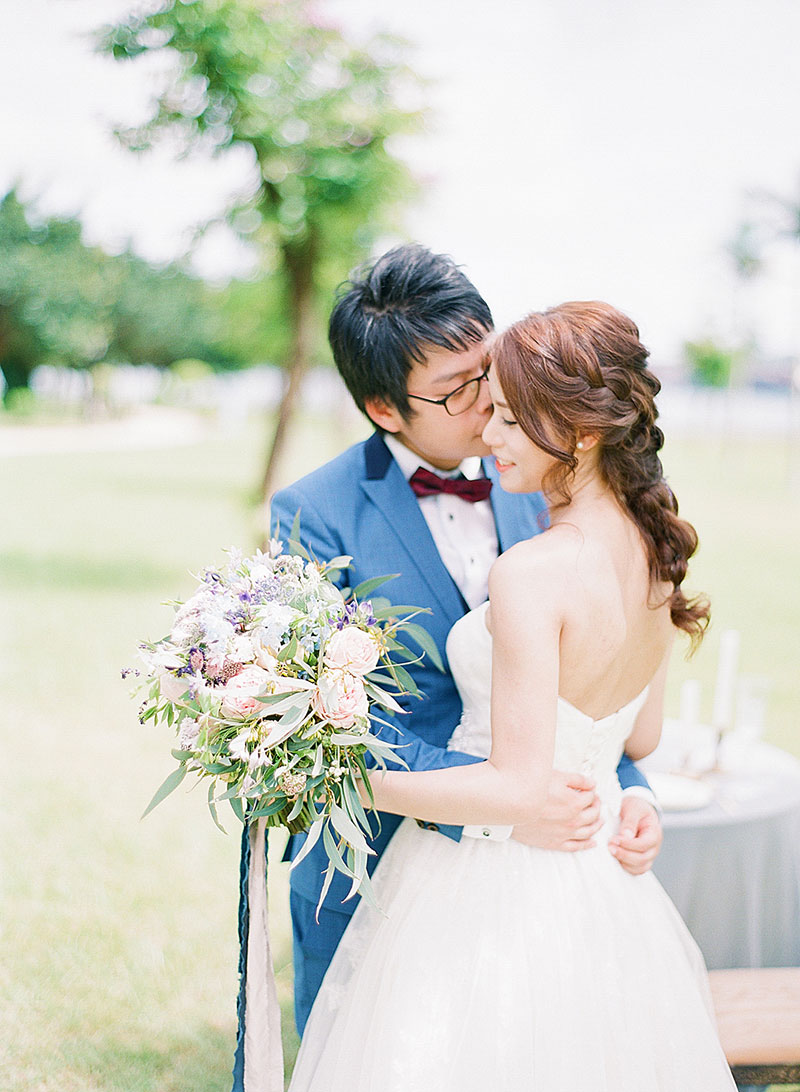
(263, 1050)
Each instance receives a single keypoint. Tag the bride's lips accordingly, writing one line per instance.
(501, 466)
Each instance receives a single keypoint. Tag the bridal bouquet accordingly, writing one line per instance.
(269, 679)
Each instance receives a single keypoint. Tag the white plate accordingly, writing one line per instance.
(676, 793)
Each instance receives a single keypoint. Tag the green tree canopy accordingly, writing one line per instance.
(316, 113)
(62, 302)
(52, 294)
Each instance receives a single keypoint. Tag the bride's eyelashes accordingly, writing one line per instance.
(503, 420)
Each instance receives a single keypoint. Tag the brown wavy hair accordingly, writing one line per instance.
(579, 369)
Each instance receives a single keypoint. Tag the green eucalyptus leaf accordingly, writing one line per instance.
(425, 641)
(334, 855)
(167, 786)
(363, 590)
(345, 826)
(329, 871)
(212, 807)
(295, 545)
(396, 610)
(312, 837)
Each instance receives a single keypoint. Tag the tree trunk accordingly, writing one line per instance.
(299, 265)
(16, 373)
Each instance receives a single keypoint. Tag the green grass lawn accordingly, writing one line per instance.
(119, 943)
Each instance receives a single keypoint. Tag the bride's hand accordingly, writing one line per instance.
(569, 819)
(637, 844)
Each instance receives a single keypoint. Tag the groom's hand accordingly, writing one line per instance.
(638, 841)
(570, 817)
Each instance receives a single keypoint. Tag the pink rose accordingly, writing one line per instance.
(351, 649)
(241, 692)
(340, 698)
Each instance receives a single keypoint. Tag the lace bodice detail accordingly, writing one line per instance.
(584, 745)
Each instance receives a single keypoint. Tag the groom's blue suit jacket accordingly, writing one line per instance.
(360, 504)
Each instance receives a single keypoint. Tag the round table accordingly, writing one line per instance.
(732, 868)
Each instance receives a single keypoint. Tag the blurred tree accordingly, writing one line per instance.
(64, 303)
(745, 255)
(711, 365)
(160, 315)
(52, 294)
(315, 113)
(745, 251)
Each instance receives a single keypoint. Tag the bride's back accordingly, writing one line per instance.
(617, 627)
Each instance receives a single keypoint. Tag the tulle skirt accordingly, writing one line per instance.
(496, 966)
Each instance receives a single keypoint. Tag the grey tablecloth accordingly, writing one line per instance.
(733, 867)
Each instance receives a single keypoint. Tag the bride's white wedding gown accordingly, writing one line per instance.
(498, 966)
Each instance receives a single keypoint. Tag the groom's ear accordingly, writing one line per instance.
(383, 414)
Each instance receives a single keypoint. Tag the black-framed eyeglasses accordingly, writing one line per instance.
(462, 398)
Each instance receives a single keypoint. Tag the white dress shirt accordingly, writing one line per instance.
(465, 535)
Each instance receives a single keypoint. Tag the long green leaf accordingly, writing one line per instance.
(403, 678)
(167, 786)
(295, 545)
(297, 808)
(382, 697)
(334, 856)
(312, 838)
(359, 873)
(212, 807)
(368, 586)
(352, 801)
(425, 641)
(394, 610)
(345, 826)
(339, 563)
(329, 871)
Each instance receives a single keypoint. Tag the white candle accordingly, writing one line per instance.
(722, 716)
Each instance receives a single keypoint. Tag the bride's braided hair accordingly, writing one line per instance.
(579, 369)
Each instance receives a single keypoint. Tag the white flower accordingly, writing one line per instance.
(243, 649)
(187, 737)
(237, 747)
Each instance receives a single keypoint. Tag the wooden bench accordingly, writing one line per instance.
(758, 1014)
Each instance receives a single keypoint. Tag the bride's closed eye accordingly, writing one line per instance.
(503, 420)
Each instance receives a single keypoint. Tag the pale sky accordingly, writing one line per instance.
(576, 149)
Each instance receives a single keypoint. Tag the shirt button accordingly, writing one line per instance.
(486, 832)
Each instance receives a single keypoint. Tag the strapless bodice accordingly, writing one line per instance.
(582, 744)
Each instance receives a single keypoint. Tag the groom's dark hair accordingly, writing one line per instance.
(391, 312)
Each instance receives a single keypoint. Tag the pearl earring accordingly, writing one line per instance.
(579, 445)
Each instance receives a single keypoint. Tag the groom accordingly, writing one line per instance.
(417, 499)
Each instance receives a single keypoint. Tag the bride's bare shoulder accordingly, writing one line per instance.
(538, 566)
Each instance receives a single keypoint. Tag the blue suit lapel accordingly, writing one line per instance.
(389, 491)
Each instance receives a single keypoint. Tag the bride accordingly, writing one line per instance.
(495, 964)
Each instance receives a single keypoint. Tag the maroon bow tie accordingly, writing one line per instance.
(426, 484)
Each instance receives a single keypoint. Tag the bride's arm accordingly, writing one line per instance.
(511, 786)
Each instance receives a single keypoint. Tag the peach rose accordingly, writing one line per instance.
(241, 692)
(340, 698)
(351, 649)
